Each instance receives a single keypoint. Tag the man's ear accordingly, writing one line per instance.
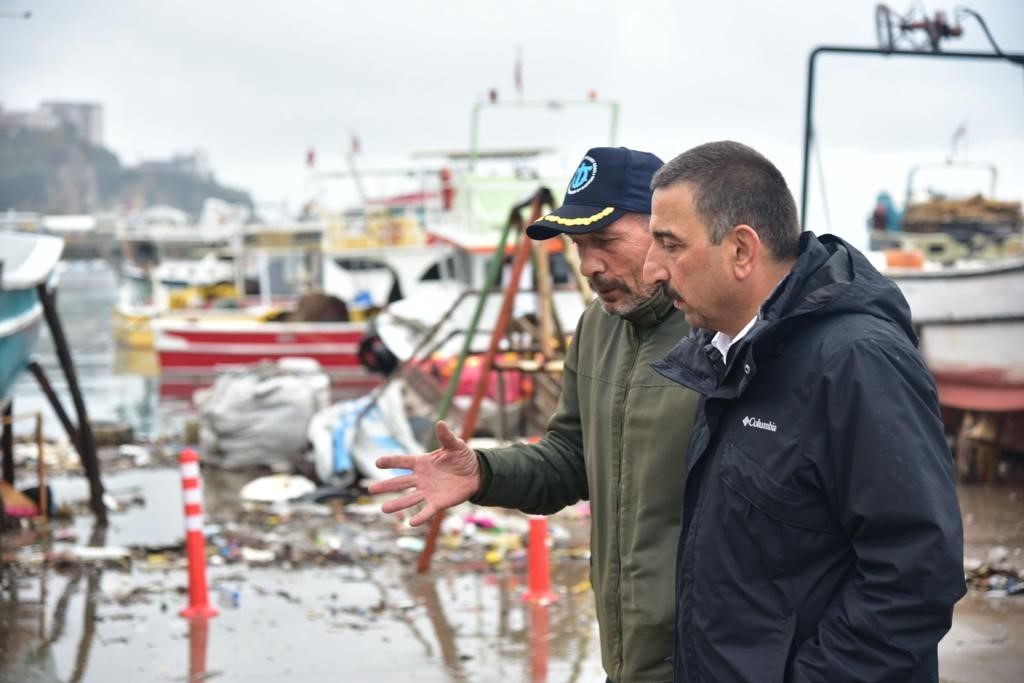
(744, 249)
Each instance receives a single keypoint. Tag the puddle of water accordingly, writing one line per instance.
(158, 521)
(373, 619)
(338, 623)
(986, 641)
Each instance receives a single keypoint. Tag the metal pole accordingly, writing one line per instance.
(474, 134)
(238, 260)
(808, 135)
(8, 443)
(58, 408)
(44, 500)
(88, 445)
(614, 135)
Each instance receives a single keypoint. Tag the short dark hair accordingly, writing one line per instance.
(734, 184)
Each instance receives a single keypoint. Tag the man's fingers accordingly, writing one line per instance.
(393, 484)
(423, 515)
(402, 502)
(397, 462)
(446, 438)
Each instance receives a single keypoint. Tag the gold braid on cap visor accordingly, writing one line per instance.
(586, 220)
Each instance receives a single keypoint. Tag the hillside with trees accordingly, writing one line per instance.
(54, 171)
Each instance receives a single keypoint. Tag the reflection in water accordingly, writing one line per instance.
(136, 362)
(540, 630)
(424, 591)
(26, 649)
(350, 622)
(89, 613)
(198, 633)
(24, 654)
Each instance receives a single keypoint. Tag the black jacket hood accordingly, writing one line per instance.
(831, 277)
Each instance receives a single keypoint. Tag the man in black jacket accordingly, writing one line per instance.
(821, 536)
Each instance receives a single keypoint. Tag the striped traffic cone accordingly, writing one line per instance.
(195, 544)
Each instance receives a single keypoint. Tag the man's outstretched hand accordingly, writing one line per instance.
(442, 478)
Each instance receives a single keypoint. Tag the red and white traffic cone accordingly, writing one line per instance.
(539, 573)
(195, 544)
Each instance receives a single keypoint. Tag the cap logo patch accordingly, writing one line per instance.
(584, 175)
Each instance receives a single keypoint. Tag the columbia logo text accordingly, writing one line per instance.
(758, 423)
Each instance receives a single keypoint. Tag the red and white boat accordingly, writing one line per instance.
(198, 348)
(355, 270)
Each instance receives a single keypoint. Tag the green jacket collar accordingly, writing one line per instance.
(652, 312)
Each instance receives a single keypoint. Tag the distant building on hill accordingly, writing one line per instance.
(194, 165)
(85, 118)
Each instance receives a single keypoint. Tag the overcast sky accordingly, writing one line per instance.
(254, 84)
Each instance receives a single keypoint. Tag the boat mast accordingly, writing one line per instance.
(474, 128)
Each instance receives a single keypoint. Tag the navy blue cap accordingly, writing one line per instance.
(609, 182)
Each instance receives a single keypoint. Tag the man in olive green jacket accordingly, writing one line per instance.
(620, 433)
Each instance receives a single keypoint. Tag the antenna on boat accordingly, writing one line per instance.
(903, 32)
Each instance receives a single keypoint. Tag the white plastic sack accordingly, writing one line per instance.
(259, 415)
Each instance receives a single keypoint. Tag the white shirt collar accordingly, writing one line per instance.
(724, 342)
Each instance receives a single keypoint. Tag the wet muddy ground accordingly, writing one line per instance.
(331, 593)
(315, 593)
(986, 642)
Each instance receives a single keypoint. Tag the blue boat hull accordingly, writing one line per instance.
(20, 321)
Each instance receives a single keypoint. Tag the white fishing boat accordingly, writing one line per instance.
(959, 261)
(970, 319)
